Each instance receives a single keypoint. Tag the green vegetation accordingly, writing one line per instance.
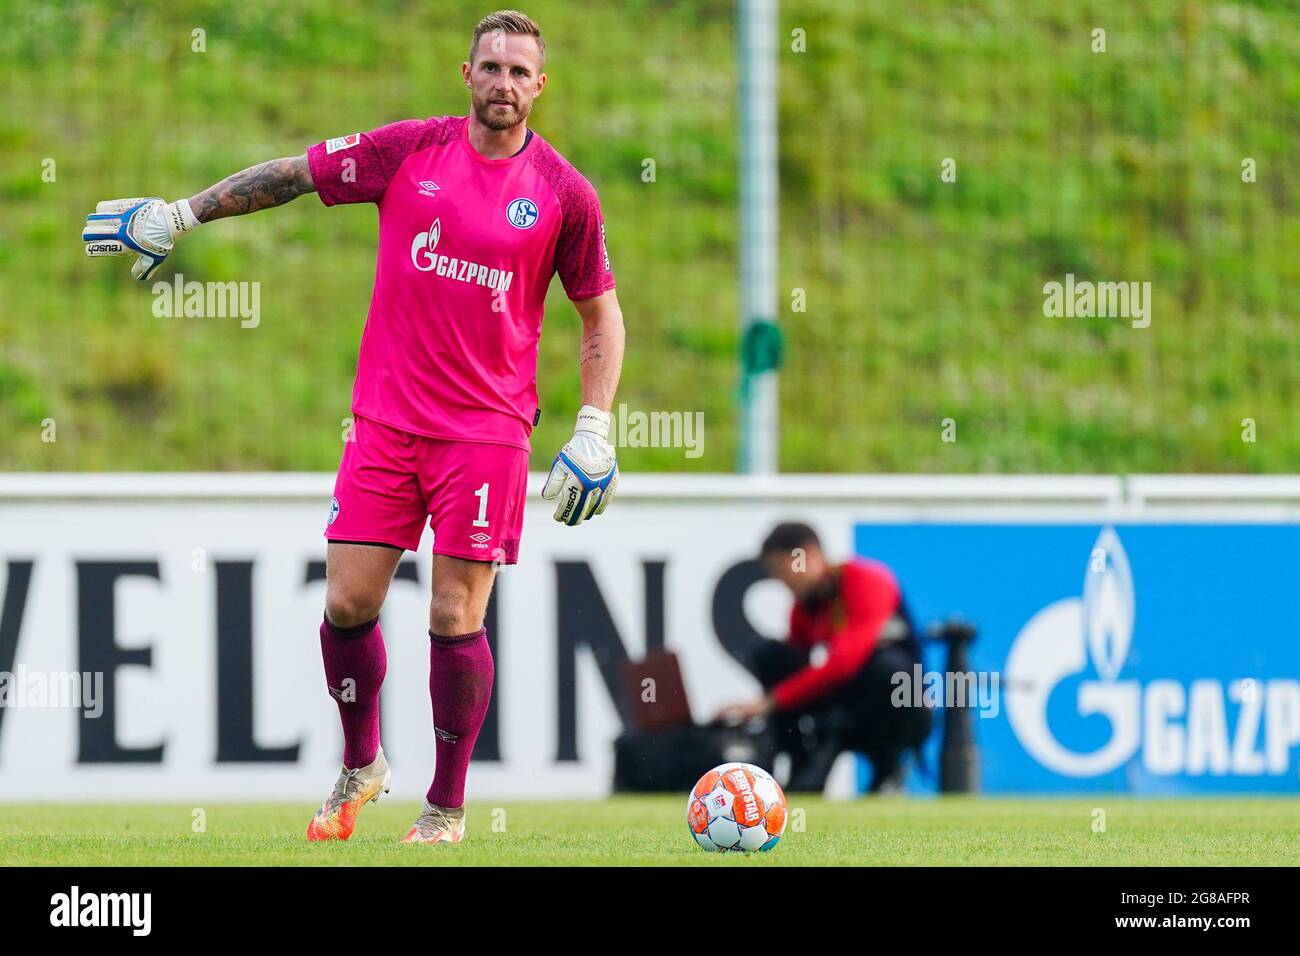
(924, 298)
(651, 831)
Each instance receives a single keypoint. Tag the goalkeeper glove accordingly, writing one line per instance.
(585, 472)
(147, 228)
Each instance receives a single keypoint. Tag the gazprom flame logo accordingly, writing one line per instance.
(1108, 605)
(1245, 727)
(426, 258)
(423, 244)
(1057, 643)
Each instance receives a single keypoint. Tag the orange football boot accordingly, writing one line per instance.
(437, 825)
(337, 816)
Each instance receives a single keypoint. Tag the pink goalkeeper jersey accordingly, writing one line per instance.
(467, 248)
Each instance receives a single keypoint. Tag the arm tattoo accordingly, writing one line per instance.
(591, 348)
(268, 184)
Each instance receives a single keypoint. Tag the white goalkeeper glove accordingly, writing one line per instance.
(147, 228)
(584, 475)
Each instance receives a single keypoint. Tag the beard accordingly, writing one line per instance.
(494, 118)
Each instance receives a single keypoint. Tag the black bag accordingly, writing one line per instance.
(673, 759)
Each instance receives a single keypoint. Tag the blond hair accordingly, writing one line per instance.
(508, 21)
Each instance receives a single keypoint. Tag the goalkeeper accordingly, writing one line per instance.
(476, 214)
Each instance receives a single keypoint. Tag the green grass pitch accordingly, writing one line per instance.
(649, 831)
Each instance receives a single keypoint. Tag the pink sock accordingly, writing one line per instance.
(355, 664)
(460, 686)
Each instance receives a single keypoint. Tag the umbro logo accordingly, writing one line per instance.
(446, 735)
(428, 187)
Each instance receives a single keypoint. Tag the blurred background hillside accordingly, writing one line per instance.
(924, 298)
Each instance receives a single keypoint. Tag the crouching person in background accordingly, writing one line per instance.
(819, 708)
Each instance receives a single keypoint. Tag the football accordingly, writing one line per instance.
(736, 806)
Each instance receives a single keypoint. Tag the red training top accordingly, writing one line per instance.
(866, 597)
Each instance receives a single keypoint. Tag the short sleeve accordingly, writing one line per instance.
(581, 257)
(358, 167)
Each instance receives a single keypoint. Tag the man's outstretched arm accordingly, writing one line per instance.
(267, 184)
(149, 228)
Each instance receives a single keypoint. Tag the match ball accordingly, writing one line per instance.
(736, 806)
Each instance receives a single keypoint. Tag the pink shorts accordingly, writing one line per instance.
(390, 480)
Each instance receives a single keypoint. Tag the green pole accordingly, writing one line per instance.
(760, 335)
